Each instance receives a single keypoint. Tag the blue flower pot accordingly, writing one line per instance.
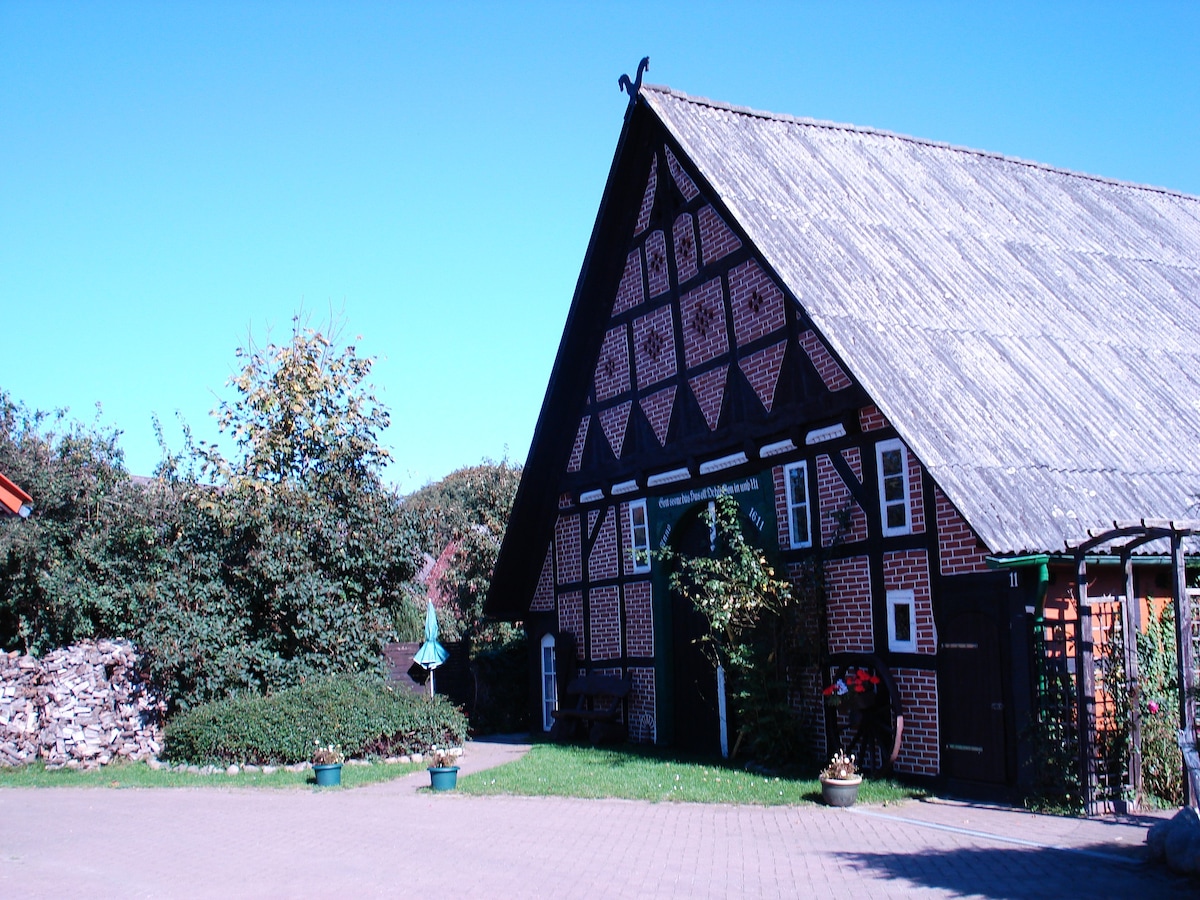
(443, 778)
(329, 775)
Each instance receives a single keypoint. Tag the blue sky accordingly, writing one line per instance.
(177, 176)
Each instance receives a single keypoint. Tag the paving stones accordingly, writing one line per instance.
(392, 838)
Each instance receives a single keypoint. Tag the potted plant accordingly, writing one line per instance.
(443, 774)
(840, 781)
(327, 765)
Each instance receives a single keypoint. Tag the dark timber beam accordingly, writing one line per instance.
(1130, 628)
(1186, 660)
(1085, 688)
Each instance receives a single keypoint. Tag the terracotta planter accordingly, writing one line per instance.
(840, 791)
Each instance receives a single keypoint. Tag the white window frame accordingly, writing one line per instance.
(895, 599)
(639, 551)
(904, 502)
(793, 504)
(549, 682)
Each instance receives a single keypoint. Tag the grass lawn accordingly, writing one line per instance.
(140, 775)
(554, 770)
(548, 770)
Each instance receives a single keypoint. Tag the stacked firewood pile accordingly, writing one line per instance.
(80, 707)
(18, 708)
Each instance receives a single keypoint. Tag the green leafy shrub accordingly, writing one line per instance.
(73, 568)
(232, 575)
(744, 603)
(467, 513)
(1053, 736)
(362, 715)
(1158, 674)
(501, 671)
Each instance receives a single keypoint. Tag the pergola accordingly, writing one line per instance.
(1122, 539)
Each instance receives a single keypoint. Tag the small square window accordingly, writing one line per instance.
(902, 622)
(902, 614)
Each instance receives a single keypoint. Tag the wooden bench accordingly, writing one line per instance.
(597, 708)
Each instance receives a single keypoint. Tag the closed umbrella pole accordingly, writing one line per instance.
(431, 654)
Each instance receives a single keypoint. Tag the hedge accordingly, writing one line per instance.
(360, 714)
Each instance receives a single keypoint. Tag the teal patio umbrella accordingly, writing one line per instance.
(432, 654)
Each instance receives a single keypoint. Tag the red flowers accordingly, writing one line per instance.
(855, 681)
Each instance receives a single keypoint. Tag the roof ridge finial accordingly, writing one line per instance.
(632, 87)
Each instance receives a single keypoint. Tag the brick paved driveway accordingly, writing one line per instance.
(389, 840)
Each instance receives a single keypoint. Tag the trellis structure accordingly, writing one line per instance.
(1123, 538)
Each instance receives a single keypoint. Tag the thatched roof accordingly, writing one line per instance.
(1033, 334)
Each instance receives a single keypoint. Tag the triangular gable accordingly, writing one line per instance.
(690, 339)
(689, 316)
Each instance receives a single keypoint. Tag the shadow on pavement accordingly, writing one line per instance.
(517, 738)
(1019, 872)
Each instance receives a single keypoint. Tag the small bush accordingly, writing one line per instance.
(1162, 765)
(360, 714)
(501, 671)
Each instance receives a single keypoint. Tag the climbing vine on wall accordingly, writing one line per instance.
(745, 602)
(1162, 769)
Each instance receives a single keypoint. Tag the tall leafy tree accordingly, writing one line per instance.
(250, 571)
(314, 549)
(72, 570)
(468, 512)
(304, 414)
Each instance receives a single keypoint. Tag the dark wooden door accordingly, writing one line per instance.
(697, 716)
(694, 679)
(971, 693)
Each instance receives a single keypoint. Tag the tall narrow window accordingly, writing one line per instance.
(639, 535)
(795, 477)
(549, 683)
(902, 622)
(893, 487)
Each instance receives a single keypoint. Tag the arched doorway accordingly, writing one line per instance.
(694, 679)
(696, 698)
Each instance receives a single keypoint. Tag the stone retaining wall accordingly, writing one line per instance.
(79, 707)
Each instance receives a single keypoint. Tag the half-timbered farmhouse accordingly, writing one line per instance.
(932, 369)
